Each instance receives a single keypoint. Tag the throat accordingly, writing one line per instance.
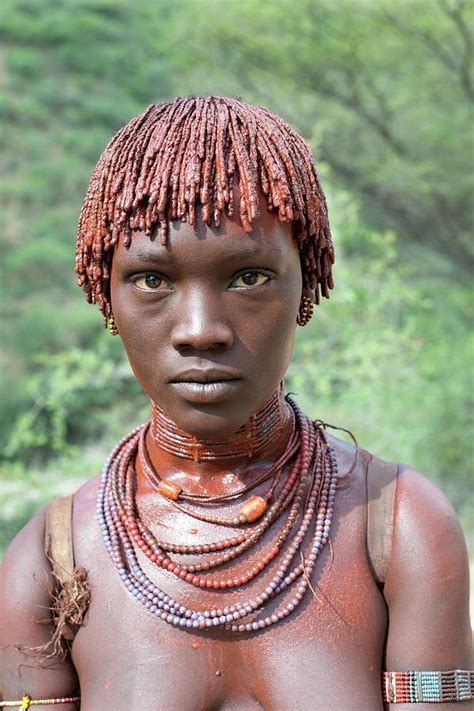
(260, 433)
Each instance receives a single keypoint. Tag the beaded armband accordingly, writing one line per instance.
(27, 702)
(433, 687)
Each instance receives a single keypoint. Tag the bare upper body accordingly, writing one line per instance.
(329, 654)
(218, 300)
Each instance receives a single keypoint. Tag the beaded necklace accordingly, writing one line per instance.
(250, 511)
(303, 503)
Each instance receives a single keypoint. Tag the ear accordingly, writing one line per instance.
(309, 293)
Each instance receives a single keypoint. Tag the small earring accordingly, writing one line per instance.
(305, 312)
(113, 330)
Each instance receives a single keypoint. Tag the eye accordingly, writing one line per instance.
(151, 282)
(249, 279)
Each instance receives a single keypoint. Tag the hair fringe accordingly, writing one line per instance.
(193, 151)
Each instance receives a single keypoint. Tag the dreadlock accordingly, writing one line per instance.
(195, 151)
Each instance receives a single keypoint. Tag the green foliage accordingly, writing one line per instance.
(384, 97)
(69, 403)
(26, 489)
(386, 358)
(65, 386)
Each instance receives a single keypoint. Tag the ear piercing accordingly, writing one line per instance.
(113, 330)
(305, 311)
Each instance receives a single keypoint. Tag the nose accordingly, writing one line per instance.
(200, 324)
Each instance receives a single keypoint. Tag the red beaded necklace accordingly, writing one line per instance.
(301, 500)
(252, 509)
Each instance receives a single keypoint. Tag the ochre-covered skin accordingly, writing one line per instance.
(330, 653)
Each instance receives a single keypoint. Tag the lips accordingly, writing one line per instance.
(206, 392)
(205, 375)
(206, 385)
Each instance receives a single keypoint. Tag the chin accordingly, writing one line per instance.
(207, 421)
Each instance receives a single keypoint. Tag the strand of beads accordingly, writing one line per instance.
(428, 686)
(153, 549)
(316, 466)
(174, 492)
(250, 511)
(26, 702)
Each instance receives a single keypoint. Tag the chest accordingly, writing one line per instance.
(318, 660)
(326, 654)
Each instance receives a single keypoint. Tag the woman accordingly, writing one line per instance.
(233, 555)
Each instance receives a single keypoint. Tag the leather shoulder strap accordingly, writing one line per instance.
(381, 489)
(58, 537)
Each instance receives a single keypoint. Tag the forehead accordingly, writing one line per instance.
(192, 244)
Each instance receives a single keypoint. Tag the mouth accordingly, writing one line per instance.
(211, 391)
(205, 386)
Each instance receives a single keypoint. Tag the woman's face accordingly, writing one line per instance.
(208, 320)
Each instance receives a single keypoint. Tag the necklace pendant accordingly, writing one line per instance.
(169, 490)
(253, 508)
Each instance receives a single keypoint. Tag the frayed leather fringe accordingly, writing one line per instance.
(70, 603)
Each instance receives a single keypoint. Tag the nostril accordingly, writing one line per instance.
(188, 337)
(192, 348)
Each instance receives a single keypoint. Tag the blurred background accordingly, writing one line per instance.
(382, 91)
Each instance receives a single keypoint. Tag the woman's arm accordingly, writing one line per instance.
(25, 585)
(427, 587)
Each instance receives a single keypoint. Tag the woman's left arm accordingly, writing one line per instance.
(427, 587)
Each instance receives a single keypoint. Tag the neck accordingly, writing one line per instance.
(219, 464)
(257, 435)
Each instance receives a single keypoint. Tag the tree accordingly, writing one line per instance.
(384, 97)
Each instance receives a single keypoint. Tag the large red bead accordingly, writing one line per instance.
(169, 489)
(253, 508)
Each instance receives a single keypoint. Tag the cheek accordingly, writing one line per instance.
(268, 333)
(278, 343)
(283, 327)
(144, 348)
(135, 335)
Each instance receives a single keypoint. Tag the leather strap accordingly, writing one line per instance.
(381, 488)
(58, 537)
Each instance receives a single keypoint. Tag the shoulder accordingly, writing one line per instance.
(427, 584)
(25, 559)
(421, 509)
(428, 538)
(414, 531)
(25, 555)
(426, 524)
(26, 583)
(426, 529)
(26, 589)
(422, 514)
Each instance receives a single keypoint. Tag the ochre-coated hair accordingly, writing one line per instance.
(193, 152)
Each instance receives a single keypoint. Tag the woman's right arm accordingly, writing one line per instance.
(25, 586)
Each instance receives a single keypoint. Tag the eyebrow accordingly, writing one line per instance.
(246, 254)
(146, 256)
(156, 257)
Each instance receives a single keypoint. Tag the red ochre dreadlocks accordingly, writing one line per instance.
(193, 152)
